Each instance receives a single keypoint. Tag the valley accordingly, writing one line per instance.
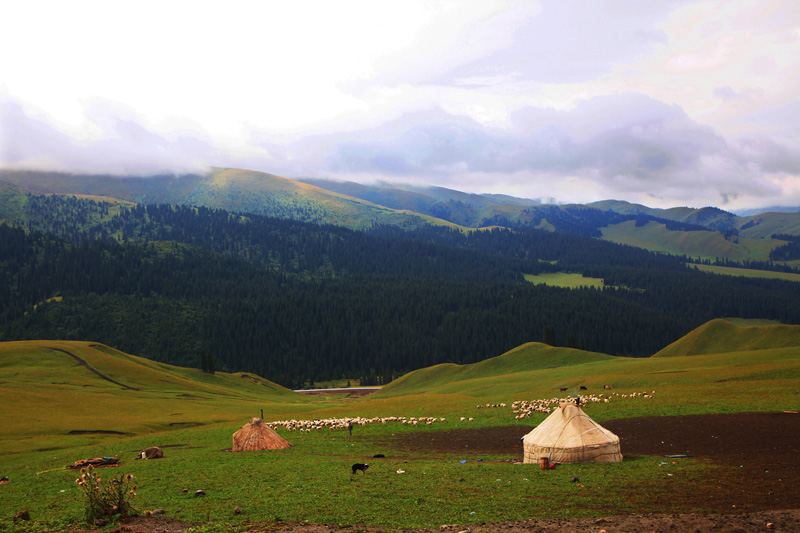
(168, 311)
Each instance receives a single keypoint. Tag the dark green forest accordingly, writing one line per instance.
(297, 302)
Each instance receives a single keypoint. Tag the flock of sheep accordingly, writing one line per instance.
(523, 408)
(332, 424)
(520, 408)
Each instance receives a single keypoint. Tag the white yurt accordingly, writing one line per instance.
(568, 435)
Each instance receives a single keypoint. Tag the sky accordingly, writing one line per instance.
(663, 103)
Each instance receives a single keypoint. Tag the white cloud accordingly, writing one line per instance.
(690, 102)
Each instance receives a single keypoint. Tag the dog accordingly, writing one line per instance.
(360, 466)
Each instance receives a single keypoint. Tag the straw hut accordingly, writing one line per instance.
(568, 435)
(256, 435)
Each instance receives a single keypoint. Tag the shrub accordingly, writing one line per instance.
(105, 501)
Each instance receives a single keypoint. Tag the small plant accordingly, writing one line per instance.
(105, 501)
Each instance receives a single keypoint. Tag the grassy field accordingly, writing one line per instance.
(567, 280)
(697, 244)
(748, 272)
(47, 394)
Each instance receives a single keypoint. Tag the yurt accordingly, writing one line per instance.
(256, 435)
(568, 435)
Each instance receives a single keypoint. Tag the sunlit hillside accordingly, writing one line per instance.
(720, 336)
(83, 391)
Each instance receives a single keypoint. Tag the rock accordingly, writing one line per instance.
(22, 515)
(159, 511)
(199, 493)
(574, 480)
(4, 480)
(185, 491)
(601, 521)
(770, 525)
(236, 510)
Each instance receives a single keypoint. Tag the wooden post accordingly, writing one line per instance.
(262, 414)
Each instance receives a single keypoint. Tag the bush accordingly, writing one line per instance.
(105, 501)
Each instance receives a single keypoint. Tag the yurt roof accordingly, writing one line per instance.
(569, 427)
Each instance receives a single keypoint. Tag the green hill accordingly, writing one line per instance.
(764, 225)
(234, 190)
(508, 371)
(90, 390)
(722, 336)
(716, 352)
(701, 244)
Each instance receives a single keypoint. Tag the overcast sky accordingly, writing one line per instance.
(663, 103)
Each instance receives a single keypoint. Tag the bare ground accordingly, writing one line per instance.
(756, 484)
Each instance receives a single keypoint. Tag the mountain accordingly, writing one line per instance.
(235, 190)
(708, 233)
(762, 210)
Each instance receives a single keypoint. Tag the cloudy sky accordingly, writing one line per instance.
(663, 103)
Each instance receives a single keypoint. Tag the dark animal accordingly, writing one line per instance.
(378, 456)
(360, 466)
(563, 389)
(583, 388)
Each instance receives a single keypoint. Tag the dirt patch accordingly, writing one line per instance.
(97, 432)
(757, 454)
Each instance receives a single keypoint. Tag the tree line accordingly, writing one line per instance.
(298, 302)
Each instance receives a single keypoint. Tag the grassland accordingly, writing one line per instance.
(47, 394)
(748, 272)
(568, 280)
(696, 244)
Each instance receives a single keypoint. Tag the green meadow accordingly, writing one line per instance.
(747, 272)
(567, 280)
(57, 410)
(709, 245)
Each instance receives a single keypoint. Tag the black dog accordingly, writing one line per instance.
(360, 466)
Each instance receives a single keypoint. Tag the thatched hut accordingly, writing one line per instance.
(256, 435)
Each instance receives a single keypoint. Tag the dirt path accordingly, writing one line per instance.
(85, 364)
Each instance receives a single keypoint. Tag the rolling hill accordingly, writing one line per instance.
(89, 390)
(721, 336)
(715, 353)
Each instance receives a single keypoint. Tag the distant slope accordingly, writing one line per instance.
(11, 203)
(716, 352)
(266, 194)
(708, 232)
(765, 225)
(152, 189)
(58, 387)
(723, 336)
(235, 190)
(491, 373)
(704, 244)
